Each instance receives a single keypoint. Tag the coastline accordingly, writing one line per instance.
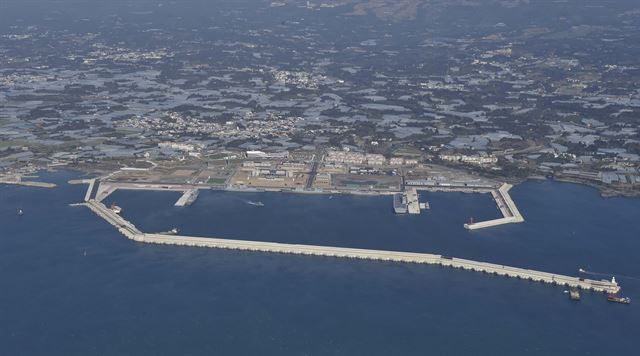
(604, 191)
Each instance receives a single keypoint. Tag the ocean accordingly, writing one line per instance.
(72, 285)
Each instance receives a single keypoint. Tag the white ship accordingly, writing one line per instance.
(255, 203)
(173, 231)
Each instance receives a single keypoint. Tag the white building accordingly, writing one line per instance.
(261, 154)
(471, 159)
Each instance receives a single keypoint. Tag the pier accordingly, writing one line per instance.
(510, 213)
(407, 202)
(87, 196)
(413, 204)
(131, 232)
(187, 198)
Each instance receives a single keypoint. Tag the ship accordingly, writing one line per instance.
(116, 209)
(20, 212)
(613, 297)
(173, 231)
(255, 203)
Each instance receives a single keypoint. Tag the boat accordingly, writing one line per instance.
(116, 209)
(20, 212)
(255, 203)
(574, 294)
(173, 231)
(613, 297)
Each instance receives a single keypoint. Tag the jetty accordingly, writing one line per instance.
(131, 232)
(407, 202)
(26, 183)
(89, 192)
(510, 213)
(413, 204)
(187, 198)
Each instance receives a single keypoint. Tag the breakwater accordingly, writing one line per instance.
(510, 213)
(131, 232)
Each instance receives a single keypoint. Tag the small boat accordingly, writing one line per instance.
(116, 209)
(255, 203)
(617, 299)
(173, 231)
(20, 212)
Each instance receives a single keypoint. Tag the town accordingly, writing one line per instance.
(496, 105)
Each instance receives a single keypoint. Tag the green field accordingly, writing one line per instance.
(216, 180)
(220, 155)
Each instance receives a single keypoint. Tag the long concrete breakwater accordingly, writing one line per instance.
(131, 232)
(28, 183)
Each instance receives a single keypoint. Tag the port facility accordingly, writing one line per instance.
(130, 231)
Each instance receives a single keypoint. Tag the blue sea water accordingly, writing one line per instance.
(70, 284)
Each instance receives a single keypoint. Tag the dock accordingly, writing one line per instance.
(131, 232)
(510, 213)
(407, 202)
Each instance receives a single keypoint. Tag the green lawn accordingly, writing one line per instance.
(216, 180)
